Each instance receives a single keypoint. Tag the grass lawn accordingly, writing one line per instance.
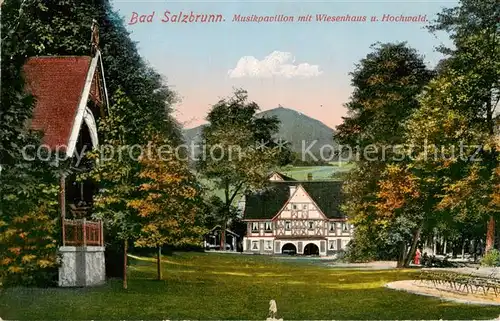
(227, 286)
(318, 172)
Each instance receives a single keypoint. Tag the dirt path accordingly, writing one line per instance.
(423, 288)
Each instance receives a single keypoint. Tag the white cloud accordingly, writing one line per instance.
(276, 64)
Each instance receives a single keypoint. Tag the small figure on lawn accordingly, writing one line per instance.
(416, 260)
(273, 310)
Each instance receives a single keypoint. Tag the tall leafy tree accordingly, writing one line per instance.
(386, 85)
(28, 229)
(168, 202)
(115, 173)
(238, 156)
(474, 28)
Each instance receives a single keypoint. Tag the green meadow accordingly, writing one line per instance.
(213, 286)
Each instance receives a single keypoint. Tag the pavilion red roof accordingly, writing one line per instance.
(57, 84)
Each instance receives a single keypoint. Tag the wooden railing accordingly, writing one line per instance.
(82, 233)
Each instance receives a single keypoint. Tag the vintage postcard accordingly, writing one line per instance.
(250, 160)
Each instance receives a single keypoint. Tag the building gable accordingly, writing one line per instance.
(275, 177)
(266, 204)
(300, 206)
(280, 177)
(62, 87)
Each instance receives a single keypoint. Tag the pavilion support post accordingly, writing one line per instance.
(84, 232)
(62, 203)
(102, 234)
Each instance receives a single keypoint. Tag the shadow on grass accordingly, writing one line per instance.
(222, 287)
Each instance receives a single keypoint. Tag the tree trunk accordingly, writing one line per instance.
(401, 258)
(158, 263)
(474, 248)
(490, 234)
(125, 246)
(413, 247)
(223, 235)
(497, 236)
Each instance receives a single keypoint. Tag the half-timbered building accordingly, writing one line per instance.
(300, 217)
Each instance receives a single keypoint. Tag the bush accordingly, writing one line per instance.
(28, 247)
(492, 258)
(359, 252)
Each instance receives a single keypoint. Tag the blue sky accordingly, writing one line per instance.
(195, 58)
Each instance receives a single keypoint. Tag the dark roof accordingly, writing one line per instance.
(57, 84)
(286, 178)
(268, 202)
(283, 177)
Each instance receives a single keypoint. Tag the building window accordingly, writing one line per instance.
(287, 226)
(311, 225)
(255, 226)
(294, 206)
(332, 226)
(255, 245)
(344, 227)
(333, 245)
(304, 206)
(268, 227)
(344, 244)
(269, 245)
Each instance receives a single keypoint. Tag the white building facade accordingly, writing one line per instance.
(296, 217)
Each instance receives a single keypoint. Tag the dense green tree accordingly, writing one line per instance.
(238, 155)
(474, 28)
(386, 85)
(167, 202)
(116, 172)
(28, 226)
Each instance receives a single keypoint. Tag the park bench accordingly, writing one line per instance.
(469, 283)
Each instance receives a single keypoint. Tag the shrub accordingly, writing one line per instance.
(28, 247)
(492, 258)
(359, 252)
